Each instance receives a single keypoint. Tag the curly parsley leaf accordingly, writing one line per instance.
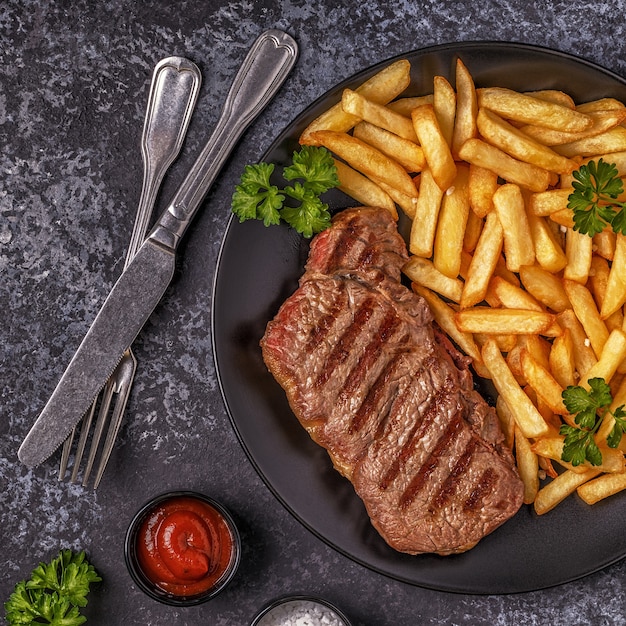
(594, 198)
(589, 406)
(312, 172)
(54, 592)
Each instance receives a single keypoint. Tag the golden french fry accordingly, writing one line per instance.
(553, 95)
(505, 136)
(381, 88)
(504, 321)
(482, 185)
(559, 488)
(578, 250)
(433, 142)
(544, 384)
(479, 152)
(377, 114)
(584, 356)
(483, 262)
(362, 189)
(562, 364)
(524, 108)
(546, 203)
(604, 244)
(602, 487)
(427, 209)
(366, 159)
(408, 204)
(612, 140)
(404, 106)
(518, 246)
(466, 108)
(527, 417)
(444, 316)
(513, 297)
(423, 272)
(507, 421)
(602, 121)
(407, 153)
(545, 287)
(612, 355)
(473, 229)
(615, 294)
(527, 465)
(451, 226)
(587, 313)
(548, 251)
(444, 104)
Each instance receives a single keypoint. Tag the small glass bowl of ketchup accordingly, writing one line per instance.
(182, 548)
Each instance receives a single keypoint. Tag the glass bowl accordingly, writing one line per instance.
(182, 548)
(286, 611)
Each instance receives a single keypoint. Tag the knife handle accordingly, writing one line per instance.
(262, 73)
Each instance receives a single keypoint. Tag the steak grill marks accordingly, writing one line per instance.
(393, 405)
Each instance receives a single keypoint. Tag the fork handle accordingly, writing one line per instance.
(262, 73)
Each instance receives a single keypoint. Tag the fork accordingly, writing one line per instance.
(171, 101)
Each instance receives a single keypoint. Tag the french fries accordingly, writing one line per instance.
(484, 174)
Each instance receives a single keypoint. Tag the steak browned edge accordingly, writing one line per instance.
(378, 385)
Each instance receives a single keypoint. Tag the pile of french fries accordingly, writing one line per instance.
(485, 174)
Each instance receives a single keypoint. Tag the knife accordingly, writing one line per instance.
(144, 281)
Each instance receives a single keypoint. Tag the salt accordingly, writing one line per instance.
(301, 613)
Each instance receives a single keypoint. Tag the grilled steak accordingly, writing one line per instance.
(372, 379)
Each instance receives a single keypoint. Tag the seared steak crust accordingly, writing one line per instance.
(392, 401)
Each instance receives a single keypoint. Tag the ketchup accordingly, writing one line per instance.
(185, 546)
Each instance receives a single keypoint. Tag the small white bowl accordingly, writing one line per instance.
(295, 610)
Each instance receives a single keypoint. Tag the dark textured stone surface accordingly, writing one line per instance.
(73, 86)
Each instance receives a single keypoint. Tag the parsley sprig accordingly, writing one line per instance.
(594, 199)
(54, 593)
(589, 408)
(312, 171)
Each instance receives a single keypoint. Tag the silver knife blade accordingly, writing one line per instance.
(123, 314)
(142, 284)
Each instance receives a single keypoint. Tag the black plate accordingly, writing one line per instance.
(259, 267)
